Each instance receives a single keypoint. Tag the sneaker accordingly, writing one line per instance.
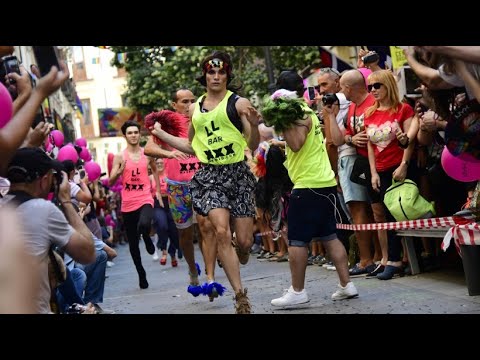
(347, 292)
(242, 304)
(291, 297)
(319, 260)
(327, 264)
(332, 268)
(358, 271)
(110, 264)
(155, 256)
(255, 249)
(99, 310)
(267, 256)
(262, 254)
(378, 270)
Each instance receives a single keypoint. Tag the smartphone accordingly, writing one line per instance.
(46, 57)
(10, 65)
(311, 92)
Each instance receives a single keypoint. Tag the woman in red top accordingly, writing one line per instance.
(387, 158)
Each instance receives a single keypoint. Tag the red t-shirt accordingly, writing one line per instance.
(381, 130)
(358, 111)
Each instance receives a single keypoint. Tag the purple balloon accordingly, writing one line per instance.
(57, 137)
(81, 142)
(67, 152)
(93, 170)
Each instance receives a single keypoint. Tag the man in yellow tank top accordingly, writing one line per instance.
(312, 207)
(223, 123)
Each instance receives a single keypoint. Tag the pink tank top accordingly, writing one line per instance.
(136, 183)
(163, 186)
(182, 170)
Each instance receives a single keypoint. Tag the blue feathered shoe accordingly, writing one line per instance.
(213, 290)
(194, 288)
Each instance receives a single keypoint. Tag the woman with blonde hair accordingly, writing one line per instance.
(386, 119)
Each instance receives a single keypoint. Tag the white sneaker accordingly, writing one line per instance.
(110, 264)
(291, 297)
(347, 292)
(155, 256)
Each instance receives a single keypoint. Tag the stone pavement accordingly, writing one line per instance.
(440, 292)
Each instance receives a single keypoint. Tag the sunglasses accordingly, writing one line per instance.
(330, 70)
(375, 86)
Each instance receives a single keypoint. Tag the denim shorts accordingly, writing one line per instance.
(351, 191)
(311, 216)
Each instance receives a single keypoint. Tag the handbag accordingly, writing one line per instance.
(404, 201)
(361, 171)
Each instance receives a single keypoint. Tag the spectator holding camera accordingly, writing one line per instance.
(79, 191)
(31, 173)
(14, 132)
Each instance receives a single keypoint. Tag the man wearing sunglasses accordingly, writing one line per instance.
(354, 136)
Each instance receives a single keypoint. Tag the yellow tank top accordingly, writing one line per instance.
(310, 167)
(217, 141)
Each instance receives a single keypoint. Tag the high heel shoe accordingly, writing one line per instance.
(163, 260)
(174, 263)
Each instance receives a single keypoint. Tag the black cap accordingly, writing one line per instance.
(290, 80)
(28, 164)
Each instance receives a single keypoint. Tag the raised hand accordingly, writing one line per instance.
(52, 81)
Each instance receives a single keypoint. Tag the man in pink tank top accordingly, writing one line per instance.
(137, 201)
(180, 170)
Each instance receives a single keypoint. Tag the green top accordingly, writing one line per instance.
(217, 141)
(310, 167)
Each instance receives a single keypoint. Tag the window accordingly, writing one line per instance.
(87, 114)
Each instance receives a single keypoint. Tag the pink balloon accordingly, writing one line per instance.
(48, 147)
(67, 152)
(110, 162)
(6, 110)
(469, 158)
(85, 154)
(458, 168)
(93, 170)
(81, 142)
(366, 73)
(57, 137)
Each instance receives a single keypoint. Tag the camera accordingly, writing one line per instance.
(8, 64)
(330, 99)
(370, 58)
(311, 93)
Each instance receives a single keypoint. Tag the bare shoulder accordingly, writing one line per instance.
(242, 102)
